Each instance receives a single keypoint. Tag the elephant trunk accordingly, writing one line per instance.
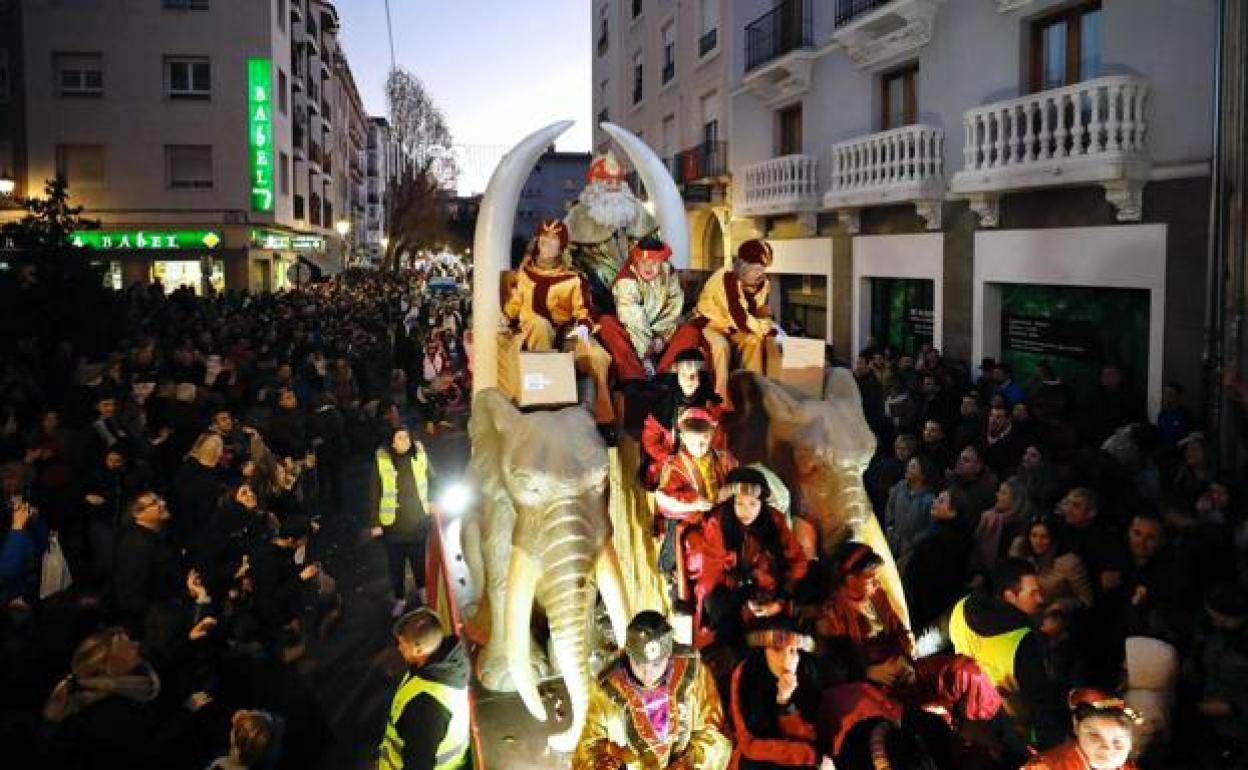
(567, 592)
(522, 574)
(864, 527)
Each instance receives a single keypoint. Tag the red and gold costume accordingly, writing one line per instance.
(867, 632)
(732, 316)
(646, 311)
(712, 561)
(677, 724)
(546, 303)
(1066, 756)
(769, 734)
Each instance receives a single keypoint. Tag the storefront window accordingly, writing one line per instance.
(804, 305)
(902, 313)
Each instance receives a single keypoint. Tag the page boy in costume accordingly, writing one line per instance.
(775, 702)
(745, 562)
(655, 707)
(691, 482)
(688, 385)
(549, 302)
(733, 315)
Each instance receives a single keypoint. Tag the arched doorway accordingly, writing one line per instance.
(712, 252)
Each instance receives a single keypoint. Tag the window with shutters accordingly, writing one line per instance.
(188, 78)
(78, 74)
(188, 166)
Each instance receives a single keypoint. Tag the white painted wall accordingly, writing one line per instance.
(1122, 257)
(920, 255)
(803, 256)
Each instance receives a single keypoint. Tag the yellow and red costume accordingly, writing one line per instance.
(732, 316)
(646, 310)
(676, 725)
(546, 303)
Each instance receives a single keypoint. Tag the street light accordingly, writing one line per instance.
(343, 227)
(7, 184)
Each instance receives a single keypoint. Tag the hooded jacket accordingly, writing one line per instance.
(424, 720)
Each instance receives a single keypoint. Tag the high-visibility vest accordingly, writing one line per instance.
(994, 654)
(388, 510)
(453, 748)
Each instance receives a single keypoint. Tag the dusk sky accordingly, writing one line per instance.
(499, 69)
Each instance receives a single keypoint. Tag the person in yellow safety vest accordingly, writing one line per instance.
(997, 631)
(428, 727)
(399, 498)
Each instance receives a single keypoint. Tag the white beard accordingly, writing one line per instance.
(611, 208)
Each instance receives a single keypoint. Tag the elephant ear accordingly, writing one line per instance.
(784, 411)
(842, 387)
(492, 412)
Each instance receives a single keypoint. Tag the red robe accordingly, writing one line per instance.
(796, 747)
(1067, 756)
(711, 562)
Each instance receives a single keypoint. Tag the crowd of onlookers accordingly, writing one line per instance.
(164, 510)
(1138, 541)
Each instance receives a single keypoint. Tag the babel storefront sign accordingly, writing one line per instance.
(145, 240)
(260, 133)
(1051, 336)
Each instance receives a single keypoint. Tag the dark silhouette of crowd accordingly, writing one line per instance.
(165, 510)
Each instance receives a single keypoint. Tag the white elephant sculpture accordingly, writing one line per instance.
(544, 535)
(831, 445)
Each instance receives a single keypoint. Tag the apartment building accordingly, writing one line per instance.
(662, 70)
(552, 186)
(1022, 179)
(201, 133)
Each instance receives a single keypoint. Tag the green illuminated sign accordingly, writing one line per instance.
(145, 240)
(260, 133)
(270, 239)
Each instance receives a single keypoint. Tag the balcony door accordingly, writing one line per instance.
(789, 131)
(1066, 47)
(899, 98)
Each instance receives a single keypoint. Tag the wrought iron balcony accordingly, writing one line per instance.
(708, 41)
(702, 162)
(848, 10)
(787, 27)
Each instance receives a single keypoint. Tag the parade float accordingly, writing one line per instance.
(562, 529)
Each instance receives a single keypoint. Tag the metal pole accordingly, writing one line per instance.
(1215, 275)
(390, 33)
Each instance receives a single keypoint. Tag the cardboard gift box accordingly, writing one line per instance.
(802, 365)
(547, 379)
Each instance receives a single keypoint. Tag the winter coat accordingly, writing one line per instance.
(148, 573)
(194, 496)
(907, 515)
(1063, 579)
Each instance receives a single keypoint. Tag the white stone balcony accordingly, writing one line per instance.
(877, 33)
(785, 185)
(898, 166)
(1094, 132)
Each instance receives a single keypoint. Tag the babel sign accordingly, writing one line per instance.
(145, 240)
(260, 133)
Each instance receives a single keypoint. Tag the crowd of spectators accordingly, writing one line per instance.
(165, 506)
(1138, 542)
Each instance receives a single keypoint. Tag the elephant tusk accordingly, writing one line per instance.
(611, 587)
(522, 576)
(491, 245)
(669, 207)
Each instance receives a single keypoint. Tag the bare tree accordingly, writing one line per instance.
(423, 181)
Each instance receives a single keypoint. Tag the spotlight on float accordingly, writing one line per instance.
(455, 499)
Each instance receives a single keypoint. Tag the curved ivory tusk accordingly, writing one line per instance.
(669, 208)
(491, 246)
(522, 575)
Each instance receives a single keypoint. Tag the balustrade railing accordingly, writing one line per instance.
(1096, 118)
(901, 156)
(787, 183)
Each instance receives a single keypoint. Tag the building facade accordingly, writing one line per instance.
(1022, 179)
(662, 70)
(213, 139)
(551, 188)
